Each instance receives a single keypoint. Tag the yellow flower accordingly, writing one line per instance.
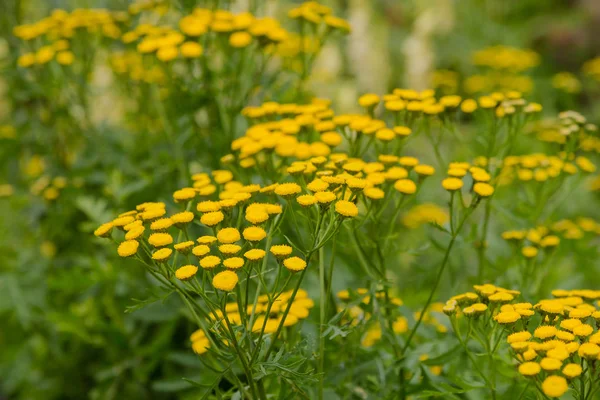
(572, 370)
(483, 189)
(135, 233)
(160, 239)
(346, 208)
(225, 280)
(184, 247)
(507, 317)
(281, 250)
(228, 235)
(186, 272)
(161, 255)
(529, 368)
(104, 230)
(161, 224)
(167, 53)
(191, 50)
(208, 206)
(522, 336)
(529, 251)
(306, 200)
(374, 193)
(424, 170)
(325, 198)
(468, 106)
(550, 364)
(452, 184)
(65, 57)
(233, 262)
(255, 254)
(287, 190)
(405, 186)
(256, 216)
(368, 100)
(210, 262)
(555, 386)
(317, 185)
(128, 248)
(294, 264)
(589, 350)
(240, 39)
(545, 332)
(583, 330)
(207, 239)
(212, 218)
(184, 194)
(254, 234)
(26, 60)
(182, 218)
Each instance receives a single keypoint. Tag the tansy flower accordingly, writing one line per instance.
(507, 317)
(483, 189)
(294, 264)
(128, 248)
(555, 386)
(207, 239)
(162, 255)
(317, 185)
(325, 198)
(368, 100)
(161, 224)
(208, 206)
(346, 208)
(210, 262)
(550, 364)
(374, 193)
(201, 250)
(229, 248)
(306, 200)
(583, 330)
(405, 186)
(184, 194)
(182, 218)
(529, 251)
(255, 254)
(256, 216)
(225, 280)
(240, 39)
(522, 336)
(281, 250)
(589, 350)
(184, 247)
(104, 230)
(452, 184)
(160, 239)
(356, 183)
(424, 170)
(545, 332)
(212, 218)
(228, 235)
(233, 262)
(572, 370)
(122, 221)
(254, 234)
(529, 368)
(287, 190)
(191, 50)
(186, 272)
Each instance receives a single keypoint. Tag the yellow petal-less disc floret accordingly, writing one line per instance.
(128, 248)
(255, 254)
(306, 200)
(555, 386)
(233, 262)
(452, 184)
(325, 198)
(228, 235)
(162, 255)
(225, 280)
(572, 370)
(210, 262)
(254, 234)
(160, 239)
(405, 186)
(104, 230)
(294, 264)
(186, 272)
(483, 189)
(212, 218)
(281, 250)
(529, 368)
(161, 224)
(201, 250)
(346, 208)
(184, 247)
(287, 190)
(182, 218)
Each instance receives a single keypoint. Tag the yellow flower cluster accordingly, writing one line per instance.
(569, 126)
(548, 237)
(50, 188)
(61, 27)
(538, 167)
(457, 171)
(506, 58)
(564, 340)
